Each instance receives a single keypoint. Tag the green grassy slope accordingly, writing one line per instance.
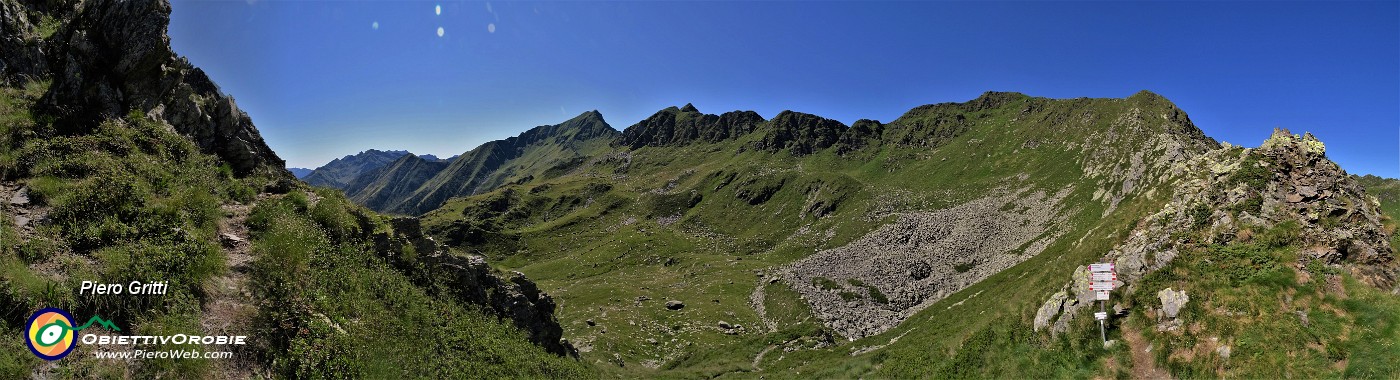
(129, 199)
(540, 152)
(632, 229)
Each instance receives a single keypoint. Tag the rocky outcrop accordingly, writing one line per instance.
(863, 133)
(799, 133)
(679, 126)
(113, 57)
(471, 280)
(1221, 193)
(1341, 224)
(22, 44)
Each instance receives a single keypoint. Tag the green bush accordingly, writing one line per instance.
(877, 296)
(825, 283)
(1200, 215)
(1281, 234)
(1250, 174)
(334, 215)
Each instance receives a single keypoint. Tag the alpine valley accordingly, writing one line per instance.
(951, 242)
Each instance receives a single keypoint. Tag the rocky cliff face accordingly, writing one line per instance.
(22, 43)
(800, 133)
(1228, 194)
(113, 57)
(680, 126)
(470, 280)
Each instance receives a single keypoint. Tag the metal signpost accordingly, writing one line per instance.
(1101, 278)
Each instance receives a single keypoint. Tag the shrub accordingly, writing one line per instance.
(1281, 234)
(334, 216)
(825, 283)
(1200, 215)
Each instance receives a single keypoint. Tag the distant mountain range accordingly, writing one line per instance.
(404, 183)
(339, 173)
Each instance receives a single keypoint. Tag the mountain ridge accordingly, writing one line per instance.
(386, 190)
(794, 132)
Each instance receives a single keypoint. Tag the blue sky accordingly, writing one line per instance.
(322, 79)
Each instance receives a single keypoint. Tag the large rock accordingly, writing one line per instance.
(1050, 310)
(113, 57)
(1172, 301)
(21, 45)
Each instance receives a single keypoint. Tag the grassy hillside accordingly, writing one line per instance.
(133, 201)
(714, 224)
(412, 188)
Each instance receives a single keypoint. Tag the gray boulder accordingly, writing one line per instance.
(1172, 301)
(1050, 310)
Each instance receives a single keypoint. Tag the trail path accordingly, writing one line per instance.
(229, 308)
(1144, 367)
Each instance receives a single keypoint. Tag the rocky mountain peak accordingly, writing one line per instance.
(679, 126)
(585, 126)
(800, 133)
(994, 99)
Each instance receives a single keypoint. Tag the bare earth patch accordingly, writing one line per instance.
(229, 308)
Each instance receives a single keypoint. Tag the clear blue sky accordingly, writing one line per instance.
(321, 80)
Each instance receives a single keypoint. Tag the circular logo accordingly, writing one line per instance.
(50, 334)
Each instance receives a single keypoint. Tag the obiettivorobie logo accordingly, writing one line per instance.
(50, 335)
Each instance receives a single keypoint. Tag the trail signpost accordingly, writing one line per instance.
(1101, 278)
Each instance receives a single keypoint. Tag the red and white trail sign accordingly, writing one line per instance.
(1101, 267)
(1101, 279)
